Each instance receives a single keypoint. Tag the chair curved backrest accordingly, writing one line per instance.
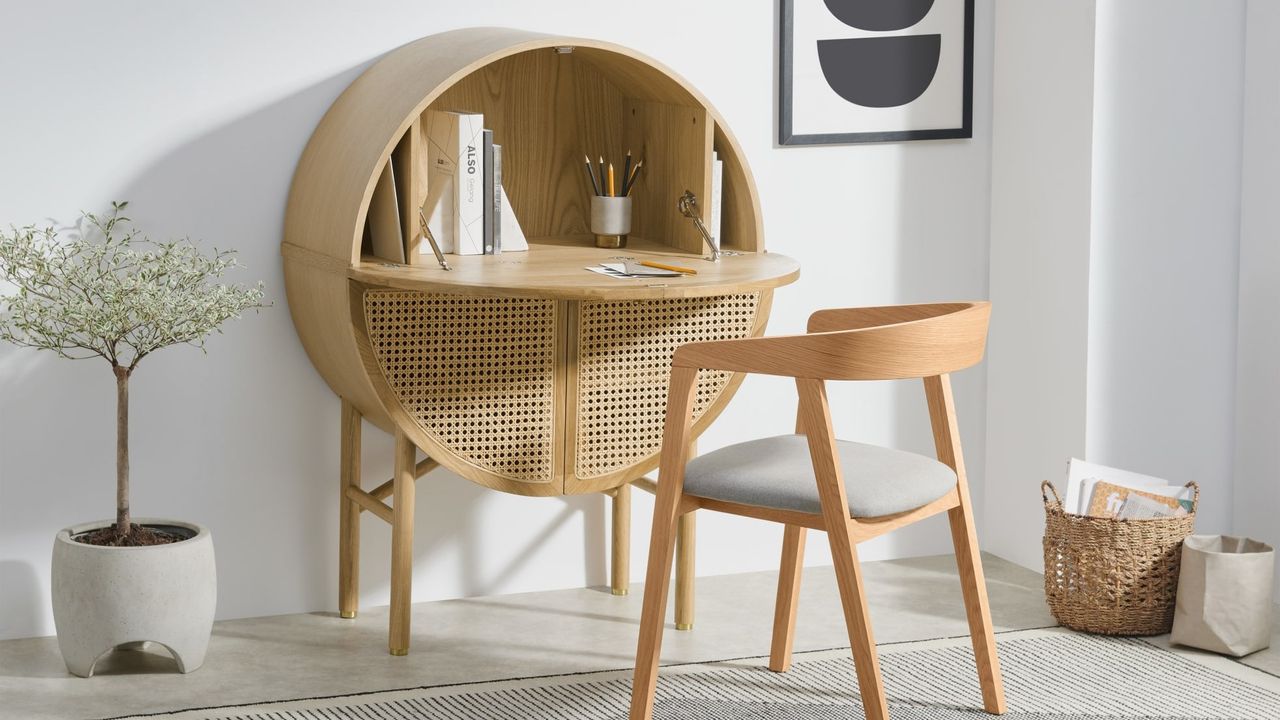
(879, 343)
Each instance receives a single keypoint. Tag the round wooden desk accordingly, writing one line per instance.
(523, 372)
(527, 373)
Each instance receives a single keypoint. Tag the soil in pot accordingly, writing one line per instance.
(138, 536)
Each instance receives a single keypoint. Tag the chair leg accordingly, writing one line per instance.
(946, 436)
(657, 583)
(662, 541)
(402, 545)
(686, 542)
(620, 568)
(977, 609)
(784, 610)
(849, 577)
(349, 514)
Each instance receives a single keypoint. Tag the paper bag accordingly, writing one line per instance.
(1224, 595)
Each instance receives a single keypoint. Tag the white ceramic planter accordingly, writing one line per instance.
(104, 597)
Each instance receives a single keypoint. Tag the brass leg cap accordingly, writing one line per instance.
(684, 626)
(347, 614)
(399, 652)
(616, 591)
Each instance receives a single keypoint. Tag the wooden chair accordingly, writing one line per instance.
(811, 480)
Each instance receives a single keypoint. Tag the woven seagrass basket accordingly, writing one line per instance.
(1113, 577)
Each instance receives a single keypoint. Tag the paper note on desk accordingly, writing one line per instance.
(624, 270)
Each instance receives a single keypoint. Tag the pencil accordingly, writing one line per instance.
(601, 174)
(595, 187)
(611, 180)
(626, 172)
(630, 182)
(672, 268)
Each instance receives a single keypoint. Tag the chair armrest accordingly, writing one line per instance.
(911, 341)
(786, 355)
(867, 317)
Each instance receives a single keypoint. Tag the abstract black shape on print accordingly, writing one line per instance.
(879, 15)
(880, 72)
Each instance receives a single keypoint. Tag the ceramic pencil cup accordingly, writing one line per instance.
(610, 220)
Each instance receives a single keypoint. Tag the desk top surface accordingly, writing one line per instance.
(554, 268)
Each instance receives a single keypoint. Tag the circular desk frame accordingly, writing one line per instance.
(523, 371)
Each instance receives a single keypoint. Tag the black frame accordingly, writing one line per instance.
(786, 137)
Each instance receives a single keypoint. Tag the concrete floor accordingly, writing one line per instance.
(544, 633)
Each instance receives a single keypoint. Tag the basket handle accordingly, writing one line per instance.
(1047, 487)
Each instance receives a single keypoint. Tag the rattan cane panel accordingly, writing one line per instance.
(624, 365)
(476, 373)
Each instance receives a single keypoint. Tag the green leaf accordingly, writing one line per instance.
(106, 290)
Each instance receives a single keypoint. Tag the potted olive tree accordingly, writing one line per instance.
(104, 291)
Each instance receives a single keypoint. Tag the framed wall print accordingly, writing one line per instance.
(856, 71)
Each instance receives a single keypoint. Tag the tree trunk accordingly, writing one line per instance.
(123, 522)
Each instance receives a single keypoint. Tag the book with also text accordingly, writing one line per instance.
(455, 181)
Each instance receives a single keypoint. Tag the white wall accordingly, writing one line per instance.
(1116, 235)
(1040, 211)
(197, 113)
(1257, 466)
(1164, 251)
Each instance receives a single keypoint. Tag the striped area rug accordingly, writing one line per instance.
(1048, 675)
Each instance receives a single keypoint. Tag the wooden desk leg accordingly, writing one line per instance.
(620, 569)
(402, 545)
(686, 533)
(349, 514)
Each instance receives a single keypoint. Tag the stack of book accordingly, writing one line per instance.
(1101, 491)
(467, 208)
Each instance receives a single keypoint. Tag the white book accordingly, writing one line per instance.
(454, 152)
(1082, 477)
(442, 166)
(440, 205)
(717, 196)
(468, 220)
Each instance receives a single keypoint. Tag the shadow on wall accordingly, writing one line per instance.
(453, 519)
(271, 417)
(36, 493)
(233, 181)
(24, 605)
(466, 538)
(243, 422)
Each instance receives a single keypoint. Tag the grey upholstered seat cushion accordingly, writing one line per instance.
(777, 472)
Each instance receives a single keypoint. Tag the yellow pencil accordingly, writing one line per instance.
(610, 179)
(672, 268)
